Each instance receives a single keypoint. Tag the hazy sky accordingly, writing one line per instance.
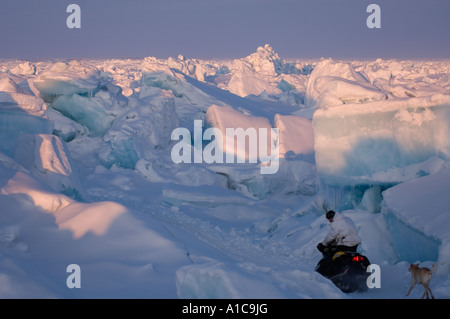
(36, 29)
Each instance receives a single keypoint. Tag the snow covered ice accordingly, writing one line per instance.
(87, 176)
(382, 142)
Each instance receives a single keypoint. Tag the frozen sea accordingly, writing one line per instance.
(89, 175)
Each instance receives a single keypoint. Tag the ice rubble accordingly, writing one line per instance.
(21, 113)
(264, 73)
(334, 83)
(24, 68)
(294, 140)
(379, 122)
(347, 132)
(143, 128)
(391, 128)
(25, 135)
(190, 67)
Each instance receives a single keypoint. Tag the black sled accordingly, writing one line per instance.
(346, 269)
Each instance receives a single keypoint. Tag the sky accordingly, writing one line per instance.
(31, 29)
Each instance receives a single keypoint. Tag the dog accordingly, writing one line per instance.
(421, 276)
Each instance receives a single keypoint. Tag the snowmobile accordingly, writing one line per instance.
(346, 269)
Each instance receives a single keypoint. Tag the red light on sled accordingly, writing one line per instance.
(357, 258)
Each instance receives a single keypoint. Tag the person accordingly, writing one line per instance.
(342, 236)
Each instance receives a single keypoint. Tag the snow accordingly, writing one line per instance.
(87, 175)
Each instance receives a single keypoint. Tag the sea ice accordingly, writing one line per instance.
(416, 213)
(15, 98)
(46, 157)
(382, 142)
(334, 83)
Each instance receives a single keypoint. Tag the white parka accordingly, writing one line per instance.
(343, 230)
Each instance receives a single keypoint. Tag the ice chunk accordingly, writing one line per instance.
(213, 279)
(382, 142)
(417, 215)
(266, 61)
(407, 78)
(187, 91)
(139, 132)
(246, 83)
(293, 83)
(336, 83)
(46, 157)
(8, 85)
(15, 98)
(371, 200)
(260, 73)
(119, 151)
(189, 67)
(65, 127)
(203, 195)
(67, 79)
(49, 89)
(294, 177)
(85, 111)
(25, 68)
(410, 244)
(157, 119)
(164, 79)
(226, 117)
(295, 133)
(14, 124)
(207, 281)
(159, 171)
